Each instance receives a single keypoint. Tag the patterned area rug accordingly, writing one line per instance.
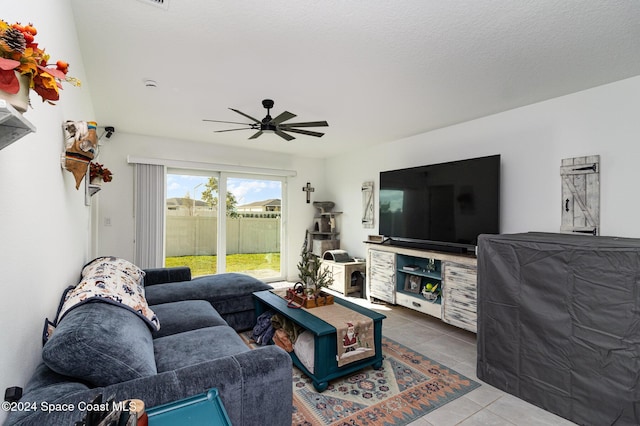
(408, 386)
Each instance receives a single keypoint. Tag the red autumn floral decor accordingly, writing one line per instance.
(19, 52)
(97, 170)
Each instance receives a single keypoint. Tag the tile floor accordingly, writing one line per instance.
(456, 349)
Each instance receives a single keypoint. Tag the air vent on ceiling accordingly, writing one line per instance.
(162, 4)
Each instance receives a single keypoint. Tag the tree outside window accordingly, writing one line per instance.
(210, 196)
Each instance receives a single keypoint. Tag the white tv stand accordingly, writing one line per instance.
(389, 278)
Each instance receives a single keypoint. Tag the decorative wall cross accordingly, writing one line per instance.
(308, 189)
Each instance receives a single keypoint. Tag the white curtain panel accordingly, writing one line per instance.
(149, 215)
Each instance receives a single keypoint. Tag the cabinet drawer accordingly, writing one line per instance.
(419, 304)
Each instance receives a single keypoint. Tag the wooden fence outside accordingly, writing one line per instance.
(197, 235)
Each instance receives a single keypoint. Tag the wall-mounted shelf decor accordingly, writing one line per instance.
(90, 189)
(581, 195)
(13, 125)
(81, 146)
(367, 205)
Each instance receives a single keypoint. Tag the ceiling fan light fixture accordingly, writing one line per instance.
(268, 126)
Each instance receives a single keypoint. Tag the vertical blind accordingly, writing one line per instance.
(149, 215)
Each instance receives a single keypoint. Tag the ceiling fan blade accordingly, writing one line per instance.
(227, 122)
(307, 124)
(232, 130)
(283, 117)
(305, 132)
(284, 135)
(245, 115)
(255, 135)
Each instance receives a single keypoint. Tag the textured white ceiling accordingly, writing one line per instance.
(375, 70)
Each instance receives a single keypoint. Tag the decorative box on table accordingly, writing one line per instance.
(300, 299)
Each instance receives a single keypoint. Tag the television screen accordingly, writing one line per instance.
(449, 203)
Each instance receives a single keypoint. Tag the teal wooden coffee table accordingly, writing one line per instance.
(325, 364)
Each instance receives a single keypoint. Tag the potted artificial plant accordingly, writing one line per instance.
(312, 276)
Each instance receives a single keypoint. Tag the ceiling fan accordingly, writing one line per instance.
(274, 125)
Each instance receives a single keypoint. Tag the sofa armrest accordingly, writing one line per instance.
(247, 382)
(257, 378)
(166, 275)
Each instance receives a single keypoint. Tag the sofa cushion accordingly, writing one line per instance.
(228, 292)
(166, 275)
(101, 344)
(196, 346)
(185, 315)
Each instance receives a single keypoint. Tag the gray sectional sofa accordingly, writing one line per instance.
(103, 348)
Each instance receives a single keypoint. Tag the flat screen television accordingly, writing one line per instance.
(441, 206)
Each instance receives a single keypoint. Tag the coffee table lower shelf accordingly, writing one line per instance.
(325, 363)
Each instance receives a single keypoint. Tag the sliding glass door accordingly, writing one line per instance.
(243, 234)
(254, 226)
(191, 222)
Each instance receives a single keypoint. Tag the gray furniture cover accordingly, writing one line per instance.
(559, 323)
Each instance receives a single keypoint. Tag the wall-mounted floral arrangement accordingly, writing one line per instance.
(21, 58)
(98, 172)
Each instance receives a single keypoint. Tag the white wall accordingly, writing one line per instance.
(115, 200)
(532, 142)
(43, 220)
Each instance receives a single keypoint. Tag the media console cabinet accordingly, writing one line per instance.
(398, 275)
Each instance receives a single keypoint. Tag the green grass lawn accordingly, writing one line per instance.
(203, 265)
